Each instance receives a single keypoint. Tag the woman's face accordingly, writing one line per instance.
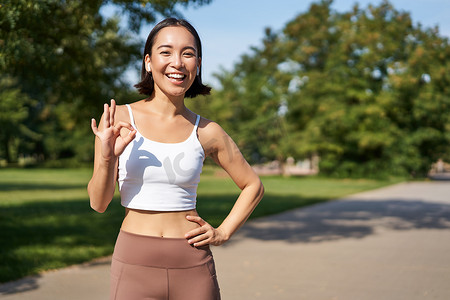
(174, 61)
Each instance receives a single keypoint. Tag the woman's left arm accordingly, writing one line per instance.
(219, 145)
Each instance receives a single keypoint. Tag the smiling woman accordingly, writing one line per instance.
(163, 47)
(154, 148)
(173, 57)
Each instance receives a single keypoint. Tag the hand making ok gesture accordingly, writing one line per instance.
(112, 142)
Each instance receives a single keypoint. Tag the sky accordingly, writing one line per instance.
(228, 28)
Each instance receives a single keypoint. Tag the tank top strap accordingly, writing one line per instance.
(131, 115)
(194, 131)
(197, 121)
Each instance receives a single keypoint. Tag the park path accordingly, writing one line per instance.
(390, 243)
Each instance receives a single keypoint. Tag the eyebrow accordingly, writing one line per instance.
(170, 46)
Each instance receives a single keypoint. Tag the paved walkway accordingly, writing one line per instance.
(391, 243)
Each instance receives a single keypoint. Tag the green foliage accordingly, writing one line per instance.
(366, 90)
(14, 111)
(146, 10)
(70, 59)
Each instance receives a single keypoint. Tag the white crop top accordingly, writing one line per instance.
(160, 176)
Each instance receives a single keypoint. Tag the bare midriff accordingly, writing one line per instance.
(157, 223)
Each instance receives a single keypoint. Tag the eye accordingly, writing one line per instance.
(189, 54)
(165, 53)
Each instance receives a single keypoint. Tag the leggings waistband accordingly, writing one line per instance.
(159, 252)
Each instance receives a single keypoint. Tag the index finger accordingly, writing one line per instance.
(196, 219)
(122, 124)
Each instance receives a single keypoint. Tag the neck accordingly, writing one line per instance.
(167, 105)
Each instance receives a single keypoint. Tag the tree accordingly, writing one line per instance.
(367, 90)
(70, 59)
(14, 110)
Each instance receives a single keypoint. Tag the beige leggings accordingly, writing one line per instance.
(146, 267)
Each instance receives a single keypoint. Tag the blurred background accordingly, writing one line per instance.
(344, 88)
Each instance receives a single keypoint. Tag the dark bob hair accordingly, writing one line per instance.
(146, 86)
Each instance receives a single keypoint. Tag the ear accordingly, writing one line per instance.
(147, 63)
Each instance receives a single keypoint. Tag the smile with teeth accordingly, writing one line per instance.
(176, 76)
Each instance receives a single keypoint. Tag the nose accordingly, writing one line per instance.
(177, 61)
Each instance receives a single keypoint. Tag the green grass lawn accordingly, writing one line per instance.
(46, 221)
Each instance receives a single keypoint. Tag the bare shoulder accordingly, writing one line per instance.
(209, 128)
(211, 135)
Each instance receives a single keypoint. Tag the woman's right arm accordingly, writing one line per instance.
(109, 144)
